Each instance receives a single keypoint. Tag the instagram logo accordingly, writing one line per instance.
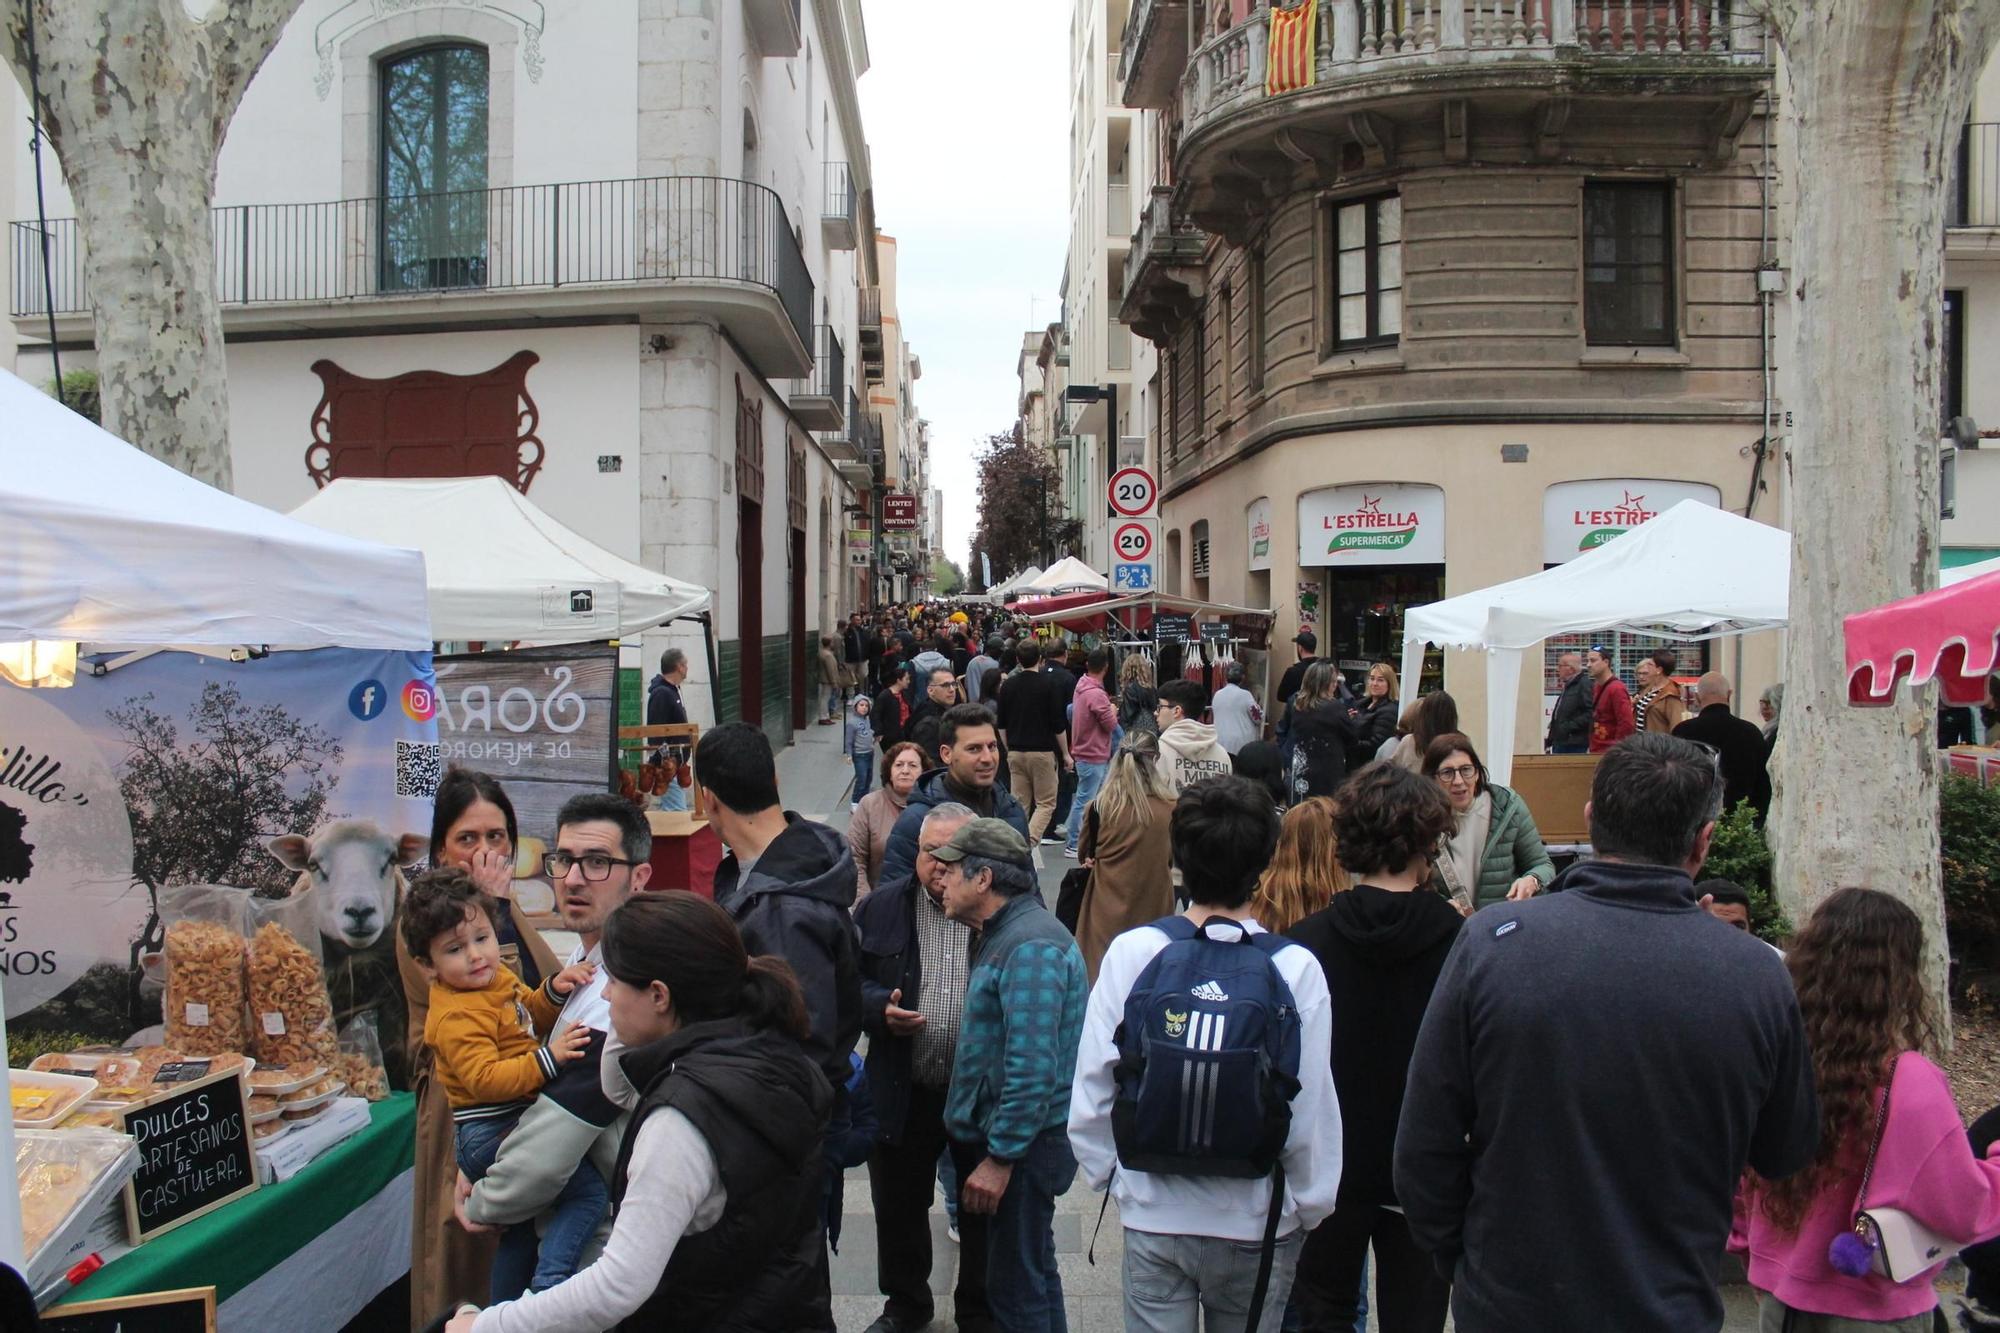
(419, 701)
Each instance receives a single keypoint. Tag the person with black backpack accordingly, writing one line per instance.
(1204, 1099)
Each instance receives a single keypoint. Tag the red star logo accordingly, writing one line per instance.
(1633, 501)
(1371, 504)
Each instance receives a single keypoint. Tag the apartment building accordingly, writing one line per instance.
(617, 254)
(1971, 328)
(1111, 166)
(903, 441)
(1447, 292)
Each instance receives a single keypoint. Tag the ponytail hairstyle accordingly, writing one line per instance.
(690, 944)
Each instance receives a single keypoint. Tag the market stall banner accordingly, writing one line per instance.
(179, 769)
(545, 722)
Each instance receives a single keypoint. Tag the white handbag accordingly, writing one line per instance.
(1901, 1248)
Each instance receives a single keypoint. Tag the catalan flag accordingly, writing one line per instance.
(1289, 64)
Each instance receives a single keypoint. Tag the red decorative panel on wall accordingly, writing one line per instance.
(427, 424)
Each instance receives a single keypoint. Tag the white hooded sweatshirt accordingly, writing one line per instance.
(1192, 754)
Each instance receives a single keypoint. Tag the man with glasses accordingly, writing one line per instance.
(940, 696)
(1604, 1060)
(600, 860)
(914, 964)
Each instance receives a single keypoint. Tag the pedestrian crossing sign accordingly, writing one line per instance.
(1132, 578)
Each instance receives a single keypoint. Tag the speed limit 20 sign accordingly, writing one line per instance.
(1133, 493)
(1133, 542)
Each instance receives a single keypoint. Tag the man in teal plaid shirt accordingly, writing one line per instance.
(1010, 1083)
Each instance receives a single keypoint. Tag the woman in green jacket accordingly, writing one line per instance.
(1495, 853)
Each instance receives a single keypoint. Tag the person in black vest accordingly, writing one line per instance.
(719, 1178)
(1737, 740)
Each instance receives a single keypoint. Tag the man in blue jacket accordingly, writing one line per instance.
(1010, 1081)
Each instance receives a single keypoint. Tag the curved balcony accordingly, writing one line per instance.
(1402, 82)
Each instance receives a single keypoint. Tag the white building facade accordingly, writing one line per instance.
(614, 253)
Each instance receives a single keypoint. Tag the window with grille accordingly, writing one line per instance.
(1199, 553)
(1628, 266)
(1368, 272)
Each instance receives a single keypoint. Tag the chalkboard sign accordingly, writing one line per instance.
(195, 1154)
(1169, 627)
(1214, 629)
(191, 1310)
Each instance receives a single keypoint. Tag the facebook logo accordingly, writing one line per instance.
(367, 700)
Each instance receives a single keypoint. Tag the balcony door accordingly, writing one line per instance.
(433, 173)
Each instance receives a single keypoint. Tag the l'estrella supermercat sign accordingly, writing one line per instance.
(1386, 524)
(1580, 516)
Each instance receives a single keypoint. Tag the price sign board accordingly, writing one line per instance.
(190, 1310)
(1169, 627)
(195, 1151)
(1133, 543)
(1133, 492)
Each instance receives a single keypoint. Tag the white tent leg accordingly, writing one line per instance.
(1503, 682)
(1413, 670)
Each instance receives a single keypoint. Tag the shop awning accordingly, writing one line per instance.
(1950, 635)
(100, 543)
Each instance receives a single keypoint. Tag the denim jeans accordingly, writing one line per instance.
(1089, 781)
(1023, 1286)
(1174, 1283)
(572, 1218)
(864, 775)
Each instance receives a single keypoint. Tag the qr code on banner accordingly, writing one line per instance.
(419, 765)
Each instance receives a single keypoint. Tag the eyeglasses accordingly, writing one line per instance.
(1463, 773)
(596, 866)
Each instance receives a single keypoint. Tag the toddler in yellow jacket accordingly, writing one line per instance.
(485, 1032)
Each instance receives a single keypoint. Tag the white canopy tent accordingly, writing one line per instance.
(1947, 577)
(101, 544)
(1068, 574)
(1695, 572)
(1013, 581)
(499, 568)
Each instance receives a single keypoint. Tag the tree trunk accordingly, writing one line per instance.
(1879, 91)
(138, 119)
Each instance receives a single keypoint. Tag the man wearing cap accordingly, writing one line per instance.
(1288, 684)
(1010, 1083)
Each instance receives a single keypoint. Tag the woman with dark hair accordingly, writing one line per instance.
(1382, 944)
(1263, 763)
(891, 714)
(1319, 729)
(704, 1051)
(1422, 722)
(877, 812)
(1494, 851)
(1890, 1134)
(473, 827)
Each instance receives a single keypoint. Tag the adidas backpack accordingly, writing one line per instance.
(1208, 1056)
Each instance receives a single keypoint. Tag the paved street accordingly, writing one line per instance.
(814, 778)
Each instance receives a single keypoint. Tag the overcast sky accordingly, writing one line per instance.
(967, 114)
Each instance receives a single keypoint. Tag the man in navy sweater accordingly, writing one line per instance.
(1594, 1071)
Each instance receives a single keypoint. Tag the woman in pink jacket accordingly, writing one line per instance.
(1858, 967)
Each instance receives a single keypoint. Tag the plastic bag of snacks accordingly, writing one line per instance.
(204, 1006)
(291, 1015)
(360, 1063)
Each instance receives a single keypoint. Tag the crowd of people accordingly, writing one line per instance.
(1315, 1007)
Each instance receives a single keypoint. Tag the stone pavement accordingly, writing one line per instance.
(814, 779)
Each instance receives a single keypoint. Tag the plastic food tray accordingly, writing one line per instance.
(311, 1103)
(105, 1159)
(63, 1093)
(288, 1083)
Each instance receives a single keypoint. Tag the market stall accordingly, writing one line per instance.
(111, 548)
(1013, 583)
(1068, 574)
(1950, 634)
(1693, 573)
(1182, 634)
(502, 571)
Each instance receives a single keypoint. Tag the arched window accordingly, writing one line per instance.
(434, 200)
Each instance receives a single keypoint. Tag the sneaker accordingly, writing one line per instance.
(951, 1232)
(1052, 837)
(1070, 852)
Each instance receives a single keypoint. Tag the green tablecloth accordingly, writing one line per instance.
(235, 1245)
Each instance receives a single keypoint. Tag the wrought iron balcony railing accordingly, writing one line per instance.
(660, 229)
